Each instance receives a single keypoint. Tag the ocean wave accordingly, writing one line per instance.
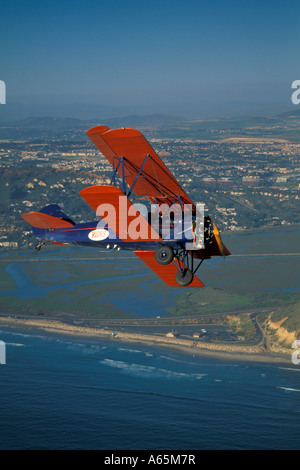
(15, 344)
(141, 370)
(129, 350)
(135, 351)
(290, 368)
(288, 389)
(23, 335)
(84, 348)
(200, 364)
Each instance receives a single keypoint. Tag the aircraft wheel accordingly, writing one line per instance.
(164, 255)
(184, 279)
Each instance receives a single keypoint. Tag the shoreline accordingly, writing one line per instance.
(189, 347)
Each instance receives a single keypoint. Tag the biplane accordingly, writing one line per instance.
(175, 242)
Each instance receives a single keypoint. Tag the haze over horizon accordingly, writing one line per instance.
(192, 59)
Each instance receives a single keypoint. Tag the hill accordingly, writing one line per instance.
(283, 327)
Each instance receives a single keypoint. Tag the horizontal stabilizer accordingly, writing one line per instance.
(45, 221)
(166, 272)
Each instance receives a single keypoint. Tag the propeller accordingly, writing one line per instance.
(222, 247)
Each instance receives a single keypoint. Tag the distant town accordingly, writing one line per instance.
(246, 180)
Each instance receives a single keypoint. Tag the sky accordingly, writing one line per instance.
(115, 52)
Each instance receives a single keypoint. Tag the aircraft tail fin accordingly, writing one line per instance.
(55, 211)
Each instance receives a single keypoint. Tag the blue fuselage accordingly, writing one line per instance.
(89, 234)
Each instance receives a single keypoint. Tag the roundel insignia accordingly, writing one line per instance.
(98, 235)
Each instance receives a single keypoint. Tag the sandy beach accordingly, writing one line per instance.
(191, 347)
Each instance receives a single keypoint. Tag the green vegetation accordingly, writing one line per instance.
(242, 326)
(209, 300)
(115, 286)
(6, 282)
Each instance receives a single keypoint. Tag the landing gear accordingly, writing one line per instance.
(39, 246)
(180, 258)
(164, 255)
(184, 278)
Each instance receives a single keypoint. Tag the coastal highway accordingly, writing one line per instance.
(168, 320)
(108, 258)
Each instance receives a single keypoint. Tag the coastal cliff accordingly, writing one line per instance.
(282, 328)
(280, 339)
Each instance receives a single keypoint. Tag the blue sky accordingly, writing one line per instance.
(143, 52)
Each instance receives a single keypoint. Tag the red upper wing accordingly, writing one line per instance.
(155, 180)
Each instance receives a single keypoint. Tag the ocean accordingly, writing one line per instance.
(64, 392)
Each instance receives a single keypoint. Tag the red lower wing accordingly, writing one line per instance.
(166, 273)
